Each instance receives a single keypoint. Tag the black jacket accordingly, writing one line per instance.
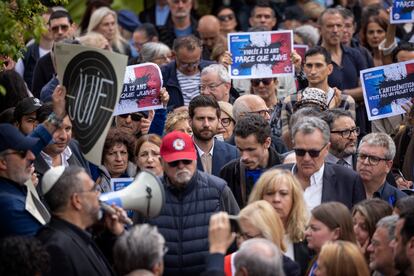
(232, 174)
(72, 250)
(184, 221)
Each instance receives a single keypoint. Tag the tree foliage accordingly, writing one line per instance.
(20, 21)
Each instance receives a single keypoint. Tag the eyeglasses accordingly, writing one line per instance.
(175, 164)
(246, 236)
(182, 1)
(346, 133)
(372, 160)
(211, 87)
(20, 153)
(256, 82)
(95, 188)
(56, 28)
(188, 64)
(312, 152)
(136, 117)
(225, 122)
(263, 112)
(225, 17)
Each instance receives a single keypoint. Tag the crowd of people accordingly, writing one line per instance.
(260, 176)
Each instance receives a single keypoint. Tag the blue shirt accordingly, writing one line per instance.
(184, 32)
(346, 74)
(161, 15)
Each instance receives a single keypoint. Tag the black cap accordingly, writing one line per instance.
(26, 106)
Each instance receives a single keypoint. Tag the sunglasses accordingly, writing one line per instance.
(136, 117)
(175, 164)
(64, 28)
(312, 153)
(20, 153)
(226, 17)
(256, 82)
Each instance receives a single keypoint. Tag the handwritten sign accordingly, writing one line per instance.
(260, 54)
(93, 80)
(386, 88)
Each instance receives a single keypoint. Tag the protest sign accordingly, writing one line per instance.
(386, 88)
(260, 54)
(93, 80)
(301, 50)
(120, 183)
(402, 11)
(141, 89)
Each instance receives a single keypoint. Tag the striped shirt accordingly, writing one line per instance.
(189, 85)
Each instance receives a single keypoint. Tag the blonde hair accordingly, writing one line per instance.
(97, 16)
(343, 258)
(298, 216)
(173, 118)
(93, 39)
(262, 215)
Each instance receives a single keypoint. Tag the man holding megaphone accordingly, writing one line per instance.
(73, 199)
(191, 197)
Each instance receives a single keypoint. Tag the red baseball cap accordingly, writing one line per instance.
(177, 145)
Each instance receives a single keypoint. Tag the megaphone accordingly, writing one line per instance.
(144, 195)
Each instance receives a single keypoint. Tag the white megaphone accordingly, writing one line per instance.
(144, 195)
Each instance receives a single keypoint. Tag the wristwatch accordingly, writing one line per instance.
(54, 120)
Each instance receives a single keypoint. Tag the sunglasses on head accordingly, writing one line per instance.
(174, 164)
(136, 117)
(256, 82)
(312, 152)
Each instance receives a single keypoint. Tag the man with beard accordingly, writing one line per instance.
(403, 244)
(344, 138)
(212, 154)
(191, 197)
(374, 161)
(72, 197)
(253, 139)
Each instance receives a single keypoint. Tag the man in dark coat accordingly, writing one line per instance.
(253, 139)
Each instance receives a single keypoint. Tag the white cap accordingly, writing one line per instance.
(50, 178)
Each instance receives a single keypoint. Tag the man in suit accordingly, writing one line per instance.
(343, 139)
(321, 181)
(212, 154)
(375, 157)
(72, 197)
(253, 139)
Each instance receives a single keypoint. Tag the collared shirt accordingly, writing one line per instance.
(346, 74)
(65, 155)
(201, 153)
(161, 14)
(313, 193)
(330, 158)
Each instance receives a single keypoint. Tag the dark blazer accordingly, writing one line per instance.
(42, 73)
(72, 250)
(222, 154)
(389, 193)
(169, 75)
(339, 184)
(303, 255)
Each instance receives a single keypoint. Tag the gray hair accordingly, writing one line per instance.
(331, 11)
(381, 140)
(309, 34)
(259, 257)
(308, 125)
(152, 50)
(389, 223)
(140, 248)
(218, 69)
(68, 183)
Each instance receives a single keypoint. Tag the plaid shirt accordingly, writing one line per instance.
(347, 103)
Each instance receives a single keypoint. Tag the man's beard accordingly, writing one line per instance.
(183, 176)
(401, 262)
(197, 134)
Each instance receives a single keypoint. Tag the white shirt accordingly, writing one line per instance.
(313, 193)
(290, 252)
(65, 155)
(201, 152)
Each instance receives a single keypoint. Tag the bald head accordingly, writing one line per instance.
(209, 30)
(249, 104)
